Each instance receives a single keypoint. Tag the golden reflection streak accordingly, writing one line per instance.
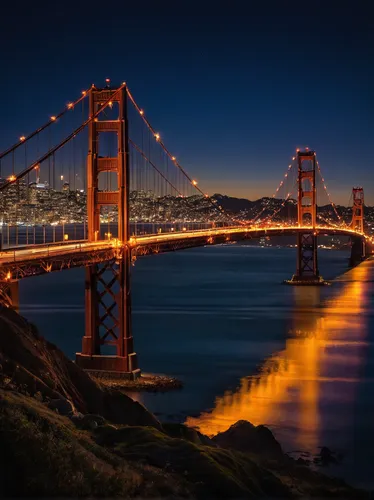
(288, 389)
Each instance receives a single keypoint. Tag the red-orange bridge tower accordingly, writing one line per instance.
(107, 286)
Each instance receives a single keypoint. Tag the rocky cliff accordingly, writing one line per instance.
(63, 435)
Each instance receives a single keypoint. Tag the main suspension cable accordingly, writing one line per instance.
(13, 178)
(24, 139)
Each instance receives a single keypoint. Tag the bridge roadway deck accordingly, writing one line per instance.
(21, 262)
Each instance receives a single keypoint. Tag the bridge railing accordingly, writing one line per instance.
(44, 251)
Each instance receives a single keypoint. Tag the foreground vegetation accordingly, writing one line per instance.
(63, 435)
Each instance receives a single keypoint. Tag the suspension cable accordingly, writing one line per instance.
(154, 166)
(174, 160)
(24, 139)
(328, 194)
(13, 178)
(274, 194)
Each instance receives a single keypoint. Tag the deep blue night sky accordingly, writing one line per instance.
(233, 88)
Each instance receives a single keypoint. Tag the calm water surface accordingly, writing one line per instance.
(298, 359)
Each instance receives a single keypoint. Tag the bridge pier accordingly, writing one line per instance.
(107, 287)
(108, 321)
(358, 251)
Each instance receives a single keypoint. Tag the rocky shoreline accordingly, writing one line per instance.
(149, 382)
(63, 434)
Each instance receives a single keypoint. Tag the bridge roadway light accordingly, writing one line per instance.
(66, 237)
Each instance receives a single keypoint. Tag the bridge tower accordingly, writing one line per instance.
(107, 286)
(358, 248)
(358, 209)
(307, 272)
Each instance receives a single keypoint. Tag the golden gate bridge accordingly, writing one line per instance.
(137, 200)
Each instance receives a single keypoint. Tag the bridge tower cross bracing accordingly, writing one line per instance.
(358, 209)
(107, 287)
(358, 245)
(307, 271)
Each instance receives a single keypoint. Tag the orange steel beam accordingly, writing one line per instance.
(307, 262)
(107, 287)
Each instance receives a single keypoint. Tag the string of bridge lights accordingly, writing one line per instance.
(158, 139)
(275, 194)
(327, 192)
(280, 208)
(334, 224)
(289, 194)
(24, 138)
(53, 150)
(155, 167)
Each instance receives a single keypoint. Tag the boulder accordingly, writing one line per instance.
(88, 422)
(183, 432)
(325, 457)
(62, 405)
(246, 437)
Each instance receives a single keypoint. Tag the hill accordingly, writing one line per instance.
(63, 435)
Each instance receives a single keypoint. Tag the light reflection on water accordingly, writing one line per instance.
(296, 388)
(211, 316)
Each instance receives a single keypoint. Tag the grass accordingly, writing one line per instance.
(45, 455)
